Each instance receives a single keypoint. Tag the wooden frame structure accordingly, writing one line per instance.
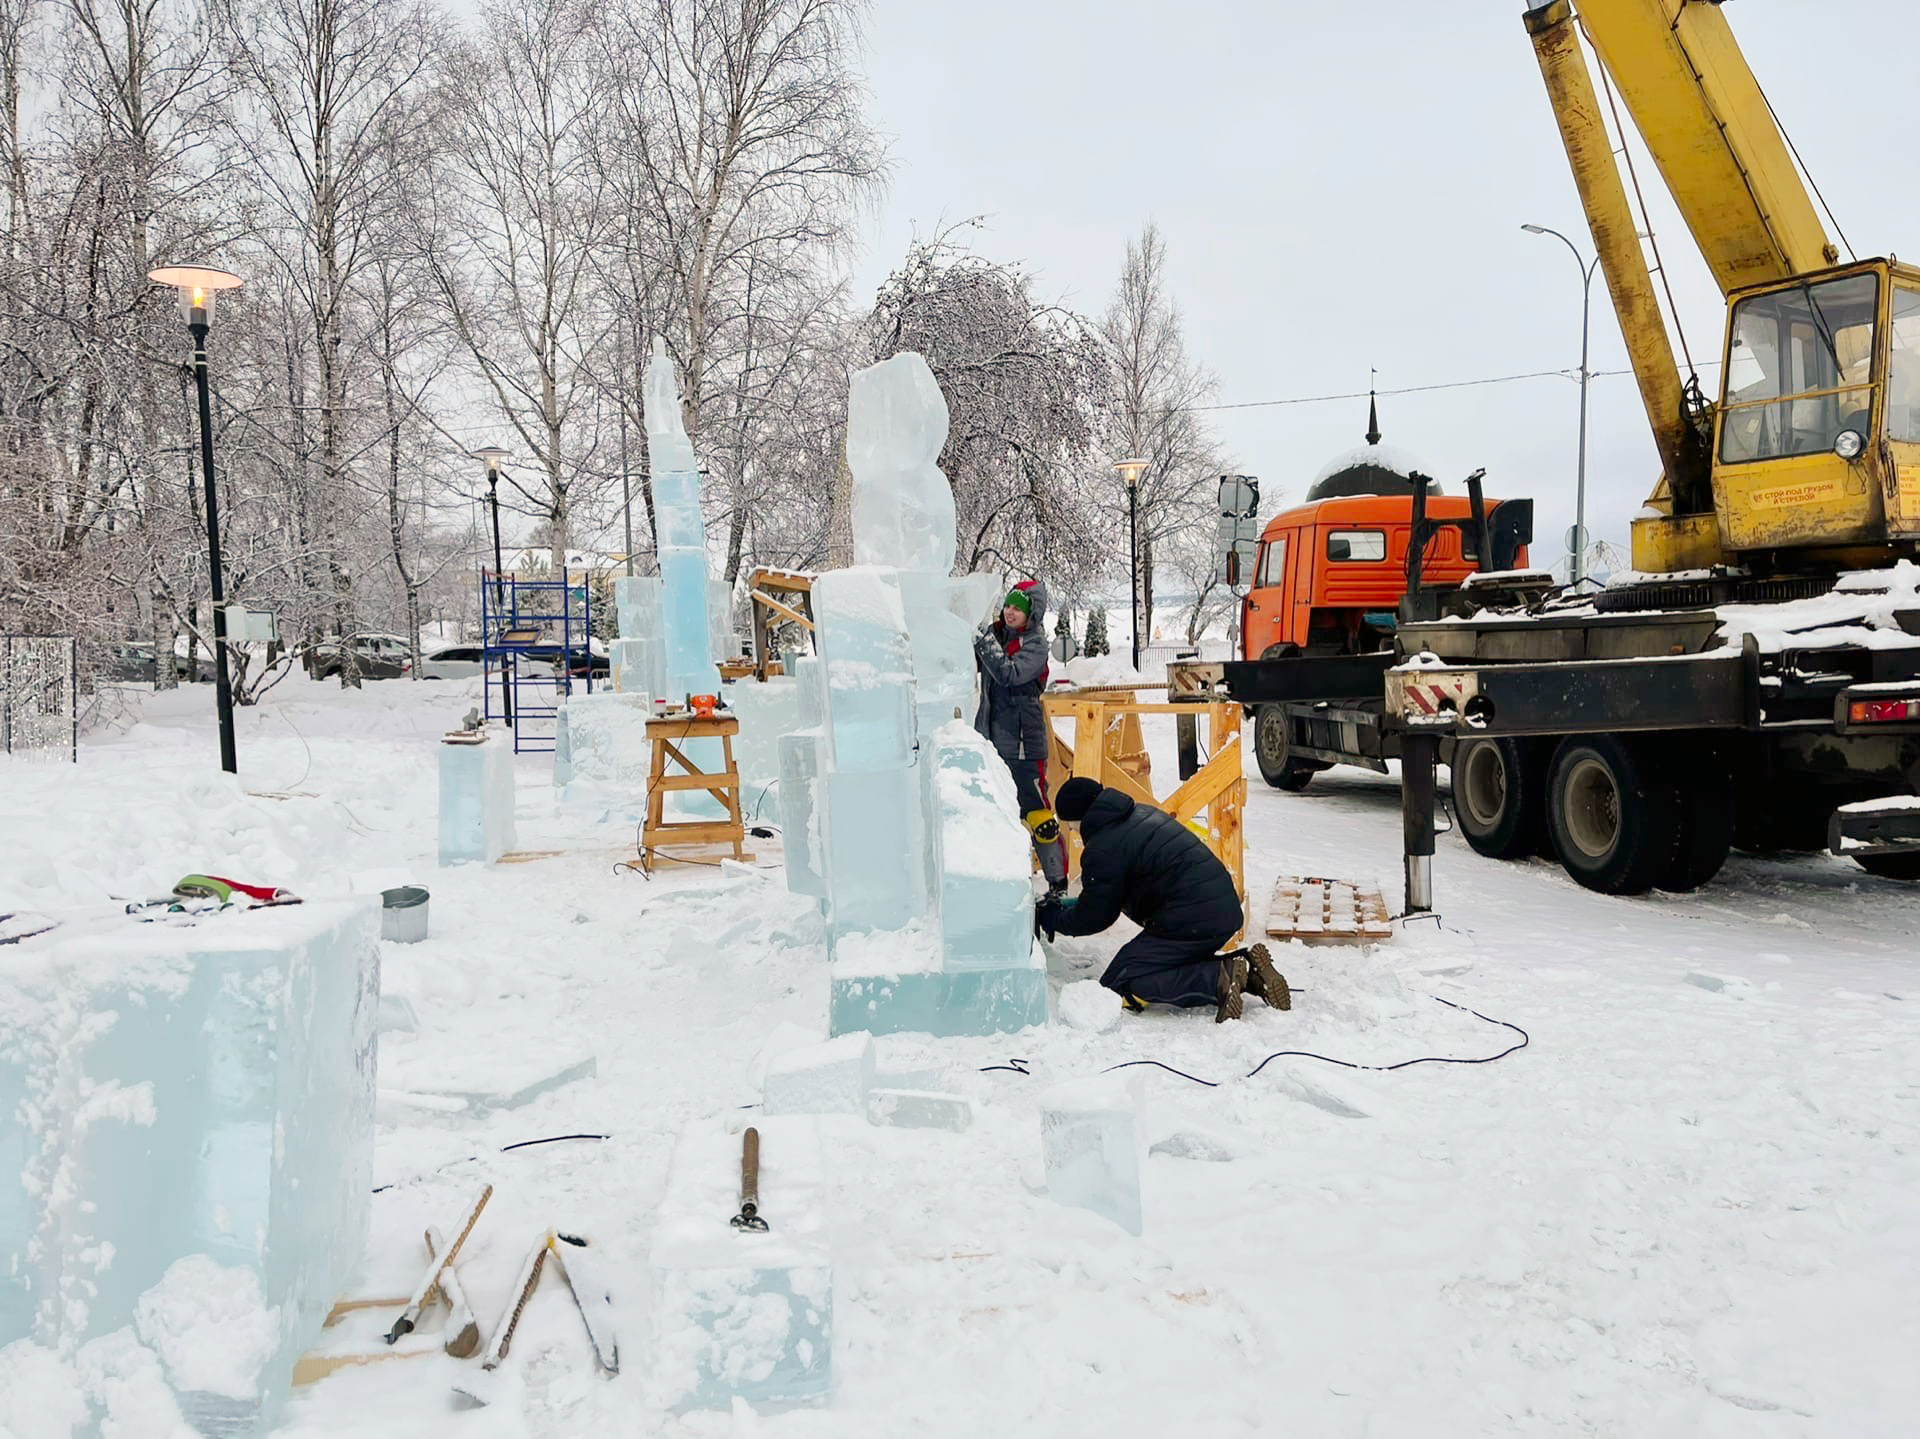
(1107, 747)
(776, 595)
(724, 785)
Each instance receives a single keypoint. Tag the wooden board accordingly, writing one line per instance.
(1327, 911)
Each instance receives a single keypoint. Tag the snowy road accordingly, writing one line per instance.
(1686, 1208)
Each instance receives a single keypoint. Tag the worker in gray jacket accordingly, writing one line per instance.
(1012, 654)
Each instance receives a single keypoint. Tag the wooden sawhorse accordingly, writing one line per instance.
(724, 785)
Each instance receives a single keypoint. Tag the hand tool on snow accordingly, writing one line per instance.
(580, 1268)
(429, 1281)
(463, 1330)
(749, 1215)
(523, 1288)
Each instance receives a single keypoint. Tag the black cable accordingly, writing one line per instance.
(475, 1158)
(1525, 1040)
(1130, 1063)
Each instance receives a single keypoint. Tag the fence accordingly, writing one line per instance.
(40, 696)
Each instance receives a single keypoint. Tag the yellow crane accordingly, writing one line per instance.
(1810, 458)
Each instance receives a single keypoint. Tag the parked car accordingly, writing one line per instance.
(380, 657)
(453, 662)
(131, 662)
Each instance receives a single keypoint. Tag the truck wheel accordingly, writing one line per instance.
(1613, 820)
(1273, 749)
(1496, 796)
(1890, 866)
(1704, 833)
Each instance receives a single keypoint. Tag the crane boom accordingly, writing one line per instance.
(1706, 122)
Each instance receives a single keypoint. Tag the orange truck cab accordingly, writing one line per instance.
(1329, 574)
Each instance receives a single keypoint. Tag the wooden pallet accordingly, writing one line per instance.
(1327, 911)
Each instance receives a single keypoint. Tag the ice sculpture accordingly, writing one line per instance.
(1090, 1135)
(186, 1141)
(895, 813)
(738, 1313)
(680, 531)
(476, 801)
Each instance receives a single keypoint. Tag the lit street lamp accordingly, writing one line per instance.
(493, 455)
(198, 288)
(1587, 268)
(1130, 472)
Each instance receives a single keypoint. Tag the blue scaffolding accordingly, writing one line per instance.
(537, 639)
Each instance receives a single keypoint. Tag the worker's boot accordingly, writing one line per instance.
(1266, 982)
(1231, 985)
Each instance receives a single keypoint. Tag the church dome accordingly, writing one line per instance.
(1371, 469)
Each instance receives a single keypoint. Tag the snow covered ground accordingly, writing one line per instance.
(1686, 1208)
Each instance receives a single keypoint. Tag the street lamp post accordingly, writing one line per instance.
(493, 455)
(198, 288)
(1130, 472)
(1579, 571)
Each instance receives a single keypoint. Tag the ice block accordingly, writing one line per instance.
(738, 1313)
(476, 801)
(892, 983)
(799, 821)
(601, 751)
(1093, 1142)
(191, 1111)
(903, 510)
(919, 1109)
(830, 1078)
(986, 893)
(867, 661)
(874, 841)
(766, 711)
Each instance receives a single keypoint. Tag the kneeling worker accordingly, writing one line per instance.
(1144, 863)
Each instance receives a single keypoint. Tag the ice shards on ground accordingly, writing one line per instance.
(919, 1109)
(189, 1127)
(738, 1313)
(1091, 1136)
(476, 801)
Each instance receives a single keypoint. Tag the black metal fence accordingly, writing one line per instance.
(40, 696)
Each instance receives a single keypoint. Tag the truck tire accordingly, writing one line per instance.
(1273, 750)
(1704, 834)
(1890, 866)
(1613, 817)
(1497, 800)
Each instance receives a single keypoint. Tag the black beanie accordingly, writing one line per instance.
(1076, 797)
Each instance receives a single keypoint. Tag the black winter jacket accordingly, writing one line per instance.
(1144, 863)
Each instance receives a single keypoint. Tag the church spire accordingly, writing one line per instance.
(1373, 420)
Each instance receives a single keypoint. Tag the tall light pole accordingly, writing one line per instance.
(493, 455)
(198, 288)
(1587, 268)
(1130, 472)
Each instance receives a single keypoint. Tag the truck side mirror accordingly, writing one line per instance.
(1233, 568)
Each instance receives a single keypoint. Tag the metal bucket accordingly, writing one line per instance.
(403, 914)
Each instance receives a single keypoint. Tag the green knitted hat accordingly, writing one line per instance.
(1019, 600)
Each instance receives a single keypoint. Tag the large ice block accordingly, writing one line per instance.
(986, 894)
(600, 749)
(634, 668)
(892, 983)
(766, 709)
(799, 813)
(476, 801)
(1093, 1142)
(867, 661)
(636, 604)
(738, 1313)
(189, 1115)
(830, 1078)
(874, 843)
(684, 627)
(903, 511)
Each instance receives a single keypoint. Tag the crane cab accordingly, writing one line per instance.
(1817, 434)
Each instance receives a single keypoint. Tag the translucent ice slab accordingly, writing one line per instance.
(191, 1112)
(600, 748)
(919, 1109)
(868, 664)
(476, 801)
(986, 896)
(902, 505)
(875, 847)
(683, 621)
(766, 711)
(799, 813)
(738, 1313)
(1091, 1136)
(830, 1078)
(892, 983)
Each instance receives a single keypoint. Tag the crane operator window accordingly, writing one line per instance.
(1799, 369)
(1903, 366)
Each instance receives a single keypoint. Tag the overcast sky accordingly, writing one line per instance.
(1342, 187)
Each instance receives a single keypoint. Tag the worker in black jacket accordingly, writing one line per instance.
(1142, 862)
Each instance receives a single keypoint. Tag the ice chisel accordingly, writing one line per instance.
(410, 1316)
(463, 1330)
(749, 1215)
(580, 1267)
